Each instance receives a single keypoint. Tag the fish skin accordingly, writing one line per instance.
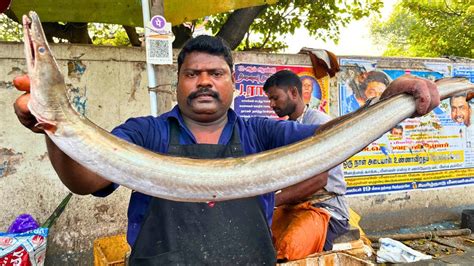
(200, 180)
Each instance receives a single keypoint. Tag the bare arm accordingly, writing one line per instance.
(302, 190)
(73, 175)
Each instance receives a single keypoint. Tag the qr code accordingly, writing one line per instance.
(159, 51)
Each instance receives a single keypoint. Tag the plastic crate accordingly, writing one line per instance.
(110, 250)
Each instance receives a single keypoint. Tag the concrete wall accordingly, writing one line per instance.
(109, 84)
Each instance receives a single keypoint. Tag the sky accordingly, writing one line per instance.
(353, 40)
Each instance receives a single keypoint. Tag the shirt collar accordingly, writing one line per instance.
(226, 134)
(300, 118)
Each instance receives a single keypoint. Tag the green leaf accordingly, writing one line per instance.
(427, 29)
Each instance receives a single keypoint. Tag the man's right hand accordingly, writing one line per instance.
(22, 83)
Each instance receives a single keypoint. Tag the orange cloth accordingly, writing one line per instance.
(299, 230)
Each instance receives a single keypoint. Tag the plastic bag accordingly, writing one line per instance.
(396, 252)
(23, 223)
(22, 249)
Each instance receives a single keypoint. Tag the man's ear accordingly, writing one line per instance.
(294, 92)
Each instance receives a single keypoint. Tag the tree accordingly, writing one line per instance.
(254, 28)
(428, 29)
(112, 34)
(322, 19)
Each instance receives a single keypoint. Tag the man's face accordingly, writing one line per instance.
(374, 89)
(460, 110)
(282, 102)
(307, 90)
(205, 87)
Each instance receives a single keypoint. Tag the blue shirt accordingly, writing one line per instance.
(152, 133)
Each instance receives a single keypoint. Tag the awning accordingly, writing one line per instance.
(125, 12)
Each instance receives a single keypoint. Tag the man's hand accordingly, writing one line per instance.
(20, 106)
(425, 92)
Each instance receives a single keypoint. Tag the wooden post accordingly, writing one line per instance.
(157, 8)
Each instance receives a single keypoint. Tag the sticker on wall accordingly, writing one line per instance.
(159, 40)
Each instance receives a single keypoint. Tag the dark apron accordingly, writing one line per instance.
(228, 232)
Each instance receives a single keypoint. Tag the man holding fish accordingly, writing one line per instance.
(202, 125)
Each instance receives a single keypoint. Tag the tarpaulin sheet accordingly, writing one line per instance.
(125, 12)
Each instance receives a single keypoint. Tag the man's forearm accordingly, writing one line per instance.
(302, 190)
(73, 175)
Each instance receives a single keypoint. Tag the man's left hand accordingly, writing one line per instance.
(425, 92)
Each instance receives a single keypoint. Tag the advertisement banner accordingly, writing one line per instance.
(433, 151)
(250, 99)
(464, 70)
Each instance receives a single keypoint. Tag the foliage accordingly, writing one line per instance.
(322, 19)
(108, 34)
(101, 34)
(10, 31)
(428, 29)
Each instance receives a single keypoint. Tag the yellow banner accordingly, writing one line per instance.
(410, 177)
(403, 160)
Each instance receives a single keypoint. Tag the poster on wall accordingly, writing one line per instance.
(433, 151)
(250, 99)
(464, 70)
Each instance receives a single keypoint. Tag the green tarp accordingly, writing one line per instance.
(125, 12)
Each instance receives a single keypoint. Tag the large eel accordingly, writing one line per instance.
(196, 180)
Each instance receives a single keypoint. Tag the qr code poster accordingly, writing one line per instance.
(159, 50)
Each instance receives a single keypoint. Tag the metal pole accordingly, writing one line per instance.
(152, 83)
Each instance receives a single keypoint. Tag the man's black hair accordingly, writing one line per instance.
(284, 79)
(207, 44)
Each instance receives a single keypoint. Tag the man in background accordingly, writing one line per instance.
(301, 229)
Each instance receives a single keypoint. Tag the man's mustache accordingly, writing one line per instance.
(203, 91)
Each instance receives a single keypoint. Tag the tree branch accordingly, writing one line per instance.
(74, 32)
(238, 23)
(12, 16)
(181, 35)
(132, 35)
